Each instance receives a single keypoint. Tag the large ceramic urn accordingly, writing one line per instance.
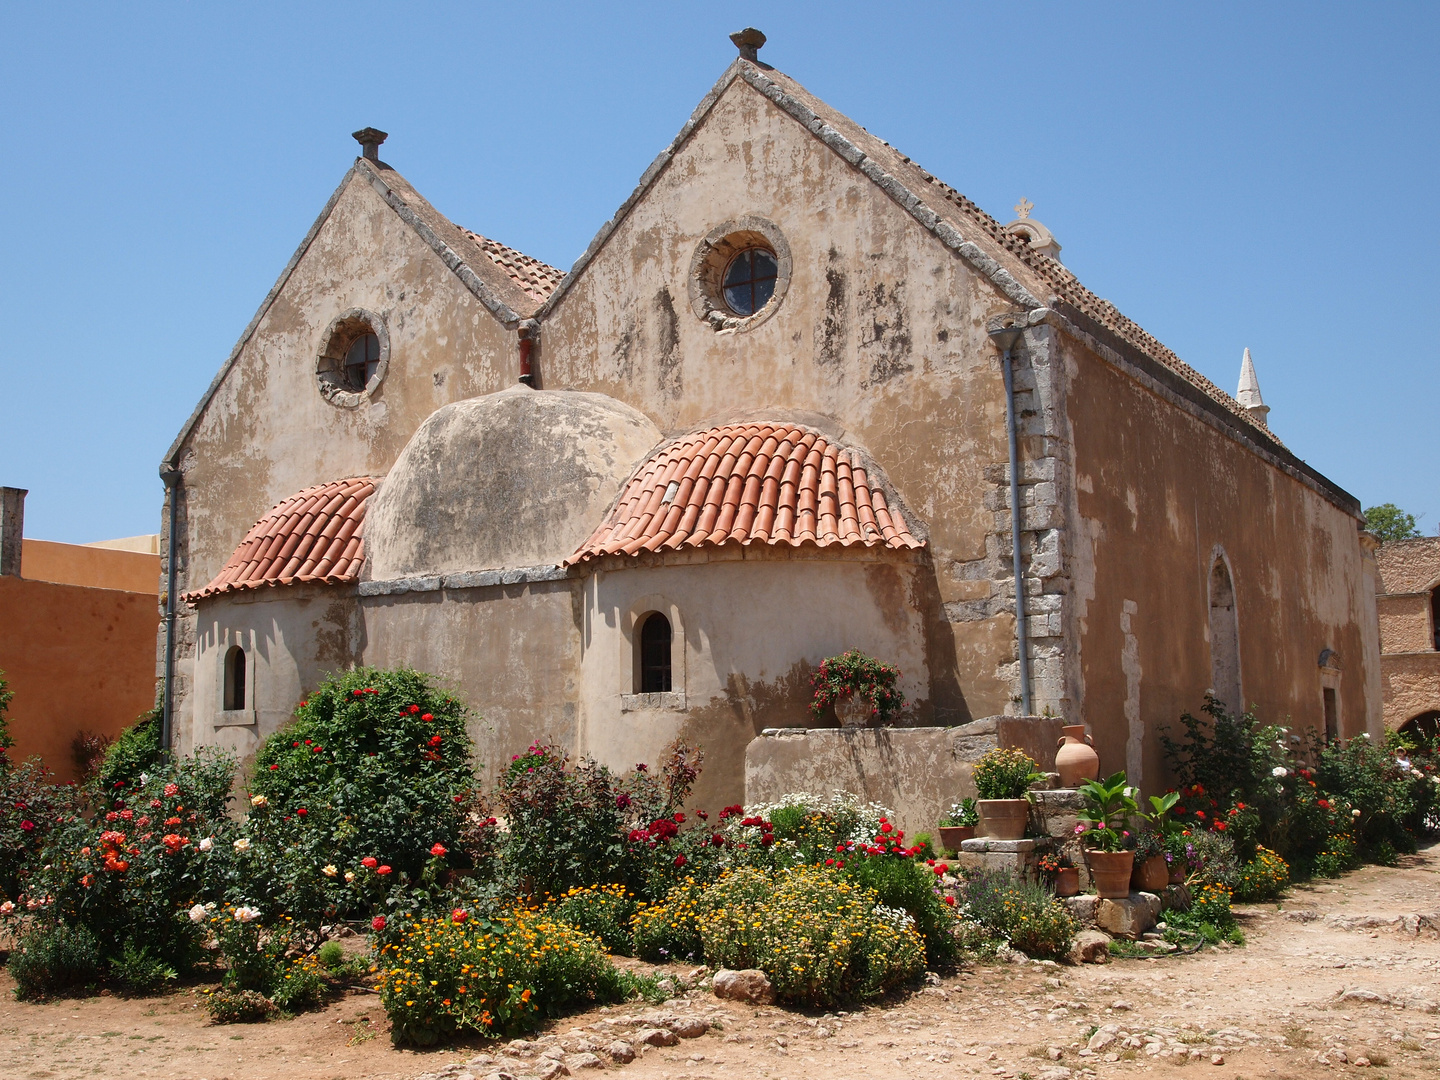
(1110, 871)
(1076, 760)
(854, 710)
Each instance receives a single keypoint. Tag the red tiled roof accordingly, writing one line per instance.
(748, 483)
(536, 278)
(315, 535)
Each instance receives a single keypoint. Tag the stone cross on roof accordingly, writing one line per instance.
(1023, 208)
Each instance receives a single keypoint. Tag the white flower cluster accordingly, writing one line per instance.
(1279, 770)
(896, 917)
(243, 844)
(246, 914)
(860, 820)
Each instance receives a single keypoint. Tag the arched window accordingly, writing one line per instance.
(1435, 615)
(654, 644)
(235, 678)
(1224, 639)
(361, 360)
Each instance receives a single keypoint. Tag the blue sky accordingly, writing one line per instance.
(1229, 175)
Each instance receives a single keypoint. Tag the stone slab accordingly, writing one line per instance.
(1128, 917)
(985, 844)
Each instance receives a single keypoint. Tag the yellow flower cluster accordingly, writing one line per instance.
(441, 977)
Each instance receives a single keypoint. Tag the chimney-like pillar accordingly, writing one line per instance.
(370, 139)
(12, 529)
(749, 41)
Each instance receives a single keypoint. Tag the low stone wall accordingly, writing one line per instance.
(917, 772)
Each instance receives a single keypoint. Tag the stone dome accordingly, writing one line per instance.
(516, 478)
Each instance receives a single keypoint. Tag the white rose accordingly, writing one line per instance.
(208, 844)
(349, 875)
(242, 844)
(1354, 813)
(7, 907)
(198, 913)
(331, 870)
(259, 800)
(144, 779)
(1279, 770)
(246, 914)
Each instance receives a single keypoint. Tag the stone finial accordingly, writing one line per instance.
(1032, 232)
(370, 139)
(748, 41)
(1248, 395)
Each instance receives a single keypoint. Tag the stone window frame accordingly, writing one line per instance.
(245, 716)
(713, 256)
(635, 616)
(344, 330)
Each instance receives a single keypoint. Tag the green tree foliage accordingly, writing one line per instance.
(1389, 522)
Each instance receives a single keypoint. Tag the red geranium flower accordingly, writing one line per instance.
(435, 740)
(680, 860)
(459, 915)
(427, 718)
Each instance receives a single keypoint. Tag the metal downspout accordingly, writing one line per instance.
(171, 477)
(1006, 338)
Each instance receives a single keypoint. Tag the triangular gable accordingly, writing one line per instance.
(1026, 277)
(509, 284)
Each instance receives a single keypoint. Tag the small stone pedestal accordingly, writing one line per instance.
(1128, 917)
(982, 853)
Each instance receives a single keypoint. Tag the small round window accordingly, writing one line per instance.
(750, 281)
(354, 355)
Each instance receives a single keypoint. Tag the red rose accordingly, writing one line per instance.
(459, 915)
(829, 862)
(950, 900)
(1220, 825)
(680, 819)
(382, 870)
(28, 826)
(427, 718)
(680, 860)
(274, 767)
(369, 862)
(435, 740)
(377, 923)
(302, 811)
(439, 851)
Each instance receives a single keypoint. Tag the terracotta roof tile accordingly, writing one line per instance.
(763, 483)
(315, 535)
(536, 278)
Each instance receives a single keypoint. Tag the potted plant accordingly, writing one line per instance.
(1063, 878)
(1151, 871)
(958, 825)
(1107, 804)
(1002, 777)
(1178, 853)
(1165, 829)
(858, 688)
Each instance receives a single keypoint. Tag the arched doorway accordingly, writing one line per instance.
(1224, 638)
(1425, 725)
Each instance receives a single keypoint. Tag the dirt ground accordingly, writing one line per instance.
(1338, 976)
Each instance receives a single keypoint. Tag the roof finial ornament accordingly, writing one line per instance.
(1037, 236)
(1248, 394)
(370, 139)
(1023, 208)
(748, 41)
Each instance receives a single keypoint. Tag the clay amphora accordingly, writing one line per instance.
(1076, 760)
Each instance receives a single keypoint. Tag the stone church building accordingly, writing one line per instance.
(767, 416)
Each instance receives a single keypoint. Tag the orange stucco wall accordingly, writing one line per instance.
(77, 659)
(97, 567)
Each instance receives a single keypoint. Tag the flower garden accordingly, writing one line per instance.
(490, 912)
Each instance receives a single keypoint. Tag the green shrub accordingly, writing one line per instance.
(330, 955)
(239, 1006)
(820, 938)
(1004, 774)
(1264, 877)
(139, 973)
(909, 886)
(54, 959)
(1368, 776)
(1209, 917)
(299, 985)
(1211, 857)
(439, 977)
(603, 911)
(134, 752)
(32, 809)
(1023, 912)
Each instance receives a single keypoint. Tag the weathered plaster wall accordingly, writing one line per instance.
(510, 651)
(1409, 574)
(750, 627)
(1412, 686)
(77, 659)
(1158, 493)
(268, 431)
(882, 328)
(1405, 623)
(96, 567)
(292, 637)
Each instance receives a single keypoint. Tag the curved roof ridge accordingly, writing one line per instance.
(316, 535)
(760, 482)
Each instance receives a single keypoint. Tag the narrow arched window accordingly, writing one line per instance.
(1435, 616)
(235, 678)
(1224, 639)
(655, 637)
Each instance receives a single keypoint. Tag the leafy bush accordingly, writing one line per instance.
(909, 886)
(54, 959)
(239, 1006)
(855, 674)
(603, 911)
(820, 938)
(1004, 774)
(135, 751)
(331, 955)
(1023, 912)
(32, 808)
(442, 976)
(1371, 780)
(374, 765)
(1264, 877)
(139, 973)
(1209, 916)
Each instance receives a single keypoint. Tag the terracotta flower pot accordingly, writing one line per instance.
(1067, 881)
(952, 835)
(1152, 875)
(854, 710)
(1076, 760)
(1111, 870)
(1004, 819)
(1179, 871)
